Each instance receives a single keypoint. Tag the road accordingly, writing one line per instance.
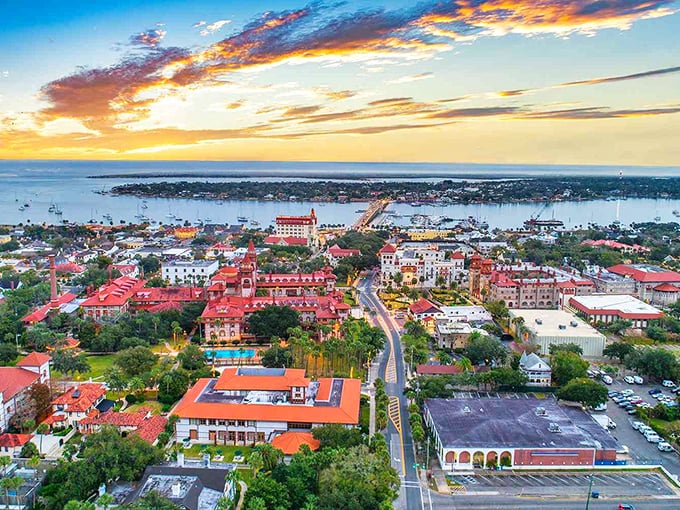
(483, 502)
(413, 495)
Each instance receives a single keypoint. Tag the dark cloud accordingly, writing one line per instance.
(598, 113)
(490, 111)
(151, 38)
(625, 77)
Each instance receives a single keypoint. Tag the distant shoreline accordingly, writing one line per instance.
(315, 176)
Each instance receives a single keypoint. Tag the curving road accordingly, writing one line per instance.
(413, 494)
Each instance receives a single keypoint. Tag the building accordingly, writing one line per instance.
(304, 227)
(141, 423)
(11, 444)
(220, 250)
(608, 308)
(609, 283)
(16, 383)
(189, 488)
(184, 233)
(78, 403)
(423, 266)
(476, 432)
(286, 241)
(536, 369)
(557, 327)
(422, 309)
(615, 245)
(254, 405)
(335, 254)
(156, 299)
(524, 285)
(112, 299)
(652, 283)
(453, 333)
(194, 272)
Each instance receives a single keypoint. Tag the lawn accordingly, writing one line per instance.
(195, 451)
(154, 405)
(98, 365)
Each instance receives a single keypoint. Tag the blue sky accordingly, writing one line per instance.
(472, 80)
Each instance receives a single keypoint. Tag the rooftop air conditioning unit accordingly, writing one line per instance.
(540, 411)
(554, 427)
(539, 321)
(574, 324)
(562, 326)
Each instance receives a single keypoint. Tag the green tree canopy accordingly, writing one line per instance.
(172, 386)
(484, 349)
(192, 357)
(657, 364)
(585, 391)
(68, 362)
(569, 347)
(566, 366)
(273, 321)
(136, 361)
(618, 350)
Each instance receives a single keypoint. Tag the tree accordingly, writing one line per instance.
(270, 456)
(657, 364)
(11, 484)
(5, 461)
(464, 364)
(67, 362)
(136, 361)
(337, 436)
(273, 321)
(567, 366)
(358, 480)
(41, 397)
(484, 349)
(8, 353)
(277, 356)
(569, 347)
(192, 357)
(42, 429)
(172, 386)
(265, 490)
(656, 333)
(585, 391)
(105, 500)
(618, 350)
(507, 377)
(115, 379)
(29, 450)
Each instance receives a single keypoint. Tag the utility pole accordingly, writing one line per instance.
(590, 486)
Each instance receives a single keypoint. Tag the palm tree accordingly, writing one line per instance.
(464, 364)
(11, 484)
(232, 478)
(5, 461)
(256, 462)
(42, 429)
(136, 385)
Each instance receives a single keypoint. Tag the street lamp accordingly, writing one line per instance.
(590, 486)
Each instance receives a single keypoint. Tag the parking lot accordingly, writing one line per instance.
(641, 451)
(536, 484)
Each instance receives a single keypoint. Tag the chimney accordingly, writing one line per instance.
(110, 270)
(175, 490)
(54, 300)
(180, 459)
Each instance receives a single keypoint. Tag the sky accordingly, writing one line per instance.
(484, 81)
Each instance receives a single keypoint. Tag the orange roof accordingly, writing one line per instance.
(34, 359)
(39, 314)
(54, 418)
(232, 380)
(15, 379)
(347, 412)
(423, 306)
(115, 293)
(151, 428)
(290, 442)
(456, 255)
(89, 394)
(14, 440)
(388, 248)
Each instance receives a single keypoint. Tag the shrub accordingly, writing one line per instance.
(130, 398)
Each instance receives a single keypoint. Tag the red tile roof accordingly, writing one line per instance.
(456, 255)
(69, 267)
(151, 428)
(667, 287)
(116, 419)
(34, 359)
(290, 442)
(423, 306)
(15, 379)
(336, 251)
(39, 314)
(115, 293)
(661, 276)
(388, 248)
(14, 440)
(89, 394)
(286, 241)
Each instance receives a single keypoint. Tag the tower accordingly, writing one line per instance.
(474, 276)
(247, 272)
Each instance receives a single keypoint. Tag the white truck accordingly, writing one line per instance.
(605, 421)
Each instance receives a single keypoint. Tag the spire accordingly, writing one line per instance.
(54, 299)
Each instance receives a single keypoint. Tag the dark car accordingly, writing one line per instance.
(625, 506)
(654, 391)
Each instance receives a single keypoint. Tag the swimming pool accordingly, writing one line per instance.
(229, 353)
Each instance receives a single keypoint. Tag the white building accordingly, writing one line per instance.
(536, 369)
(420, 266)
(179, 272)
(558, 327)
(16, 382)
(608, 308)
(304, 227)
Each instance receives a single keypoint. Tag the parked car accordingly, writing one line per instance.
(600, 407)
(637, 424)
(607, 380)
(623, 450)
(612, 393)
(654, 391)
(668, 384)
(653, 438)
(627, 392)
(629, 379)
(638, 380)
(663, 446)
(644, 429)
(632, 410)
(625, 506)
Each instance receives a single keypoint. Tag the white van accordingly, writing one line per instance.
(638, 379)
(653, 438)
(663, 446)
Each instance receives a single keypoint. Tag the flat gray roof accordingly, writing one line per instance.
(514, 423)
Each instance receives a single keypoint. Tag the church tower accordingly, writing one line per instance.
(247, 272)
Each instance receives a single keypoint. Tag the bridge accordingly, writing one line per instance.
(374, 209)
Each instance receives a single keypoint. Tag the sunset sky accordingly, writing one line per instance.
(493, 81)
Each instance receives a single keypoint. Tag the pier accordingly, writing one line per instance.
(374, 209)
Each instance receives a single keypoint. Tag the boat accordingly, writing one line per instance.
(242, 219)
(144, 206)
(484, 225)
(57, 211)
(416, 204)
(170, 215)
(143, 218)
(207, 220)
(536, 223)
(676, 212)
(358, 211)
(27, 204)
(657, 218)
(22, 208)
(255, 223)
(107, 216)
(51, 208)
